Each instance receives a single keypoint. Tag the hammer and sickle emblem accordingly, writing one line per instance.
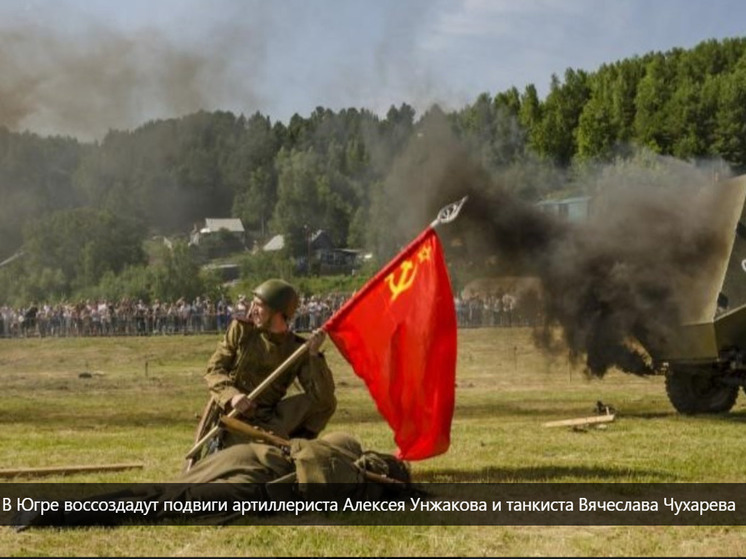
(406, 276)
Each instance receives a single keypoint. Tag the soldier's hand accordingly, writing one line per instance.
(242, 404)
(314, 342)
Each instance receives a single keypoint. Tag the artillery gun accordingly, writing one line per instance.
(705, 358)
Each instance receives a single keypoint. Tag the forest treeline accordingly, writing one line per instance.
(80, 212)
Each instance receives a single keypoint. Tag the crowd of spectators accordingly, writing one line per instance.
(497, 309)
(130, 317)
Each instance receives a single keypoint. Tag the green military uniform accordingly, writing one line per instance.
(328, 459)
(248, 355)
(248, 462)
(332, 467)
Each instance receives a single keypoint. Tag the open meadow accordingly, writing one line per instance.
(121, 400)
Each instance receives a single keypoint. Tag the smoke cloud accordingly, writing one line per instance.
(641, 264)
(98, 78)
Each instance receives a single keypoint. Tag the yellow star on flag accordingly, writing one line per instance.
(424, 253)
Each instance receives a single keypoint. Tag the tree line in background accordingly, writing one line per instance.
(81, 212)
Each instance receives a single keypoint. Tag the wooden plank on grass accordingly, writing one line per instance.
(52, 470)
(581, 421)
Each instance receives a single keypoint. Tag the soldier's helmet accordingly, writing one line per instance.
(279, 296)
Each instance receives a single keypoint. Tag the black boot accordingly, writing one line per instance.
(23, 520)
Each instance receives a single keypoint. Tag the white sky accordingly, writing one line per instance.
(81, 67)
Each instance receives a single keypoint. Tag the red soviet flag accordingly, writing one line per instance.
(399, 334)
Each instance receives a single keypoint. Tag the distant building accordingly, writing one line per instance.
(573, 209)
(319, 241)
(325, 257)
(219, 237)
(275, 243)
(231, 226)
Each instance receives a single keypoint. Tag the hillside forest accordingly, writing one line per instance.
(89, 219)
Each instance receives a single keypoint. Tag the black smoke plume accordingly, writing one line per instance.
(620, 279)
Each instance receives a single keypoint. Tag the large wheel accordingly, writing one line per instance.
(693, 392)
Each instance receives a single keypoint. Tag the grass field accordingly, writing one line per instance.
(140, 399)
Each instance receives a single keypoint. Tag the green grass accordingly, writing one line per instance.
(141, 399)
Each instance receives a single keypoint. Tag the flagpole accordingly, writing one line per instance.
(446, 215)
(449, 213)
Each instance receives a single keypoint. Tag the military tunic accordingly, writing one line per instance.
(247, 355)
